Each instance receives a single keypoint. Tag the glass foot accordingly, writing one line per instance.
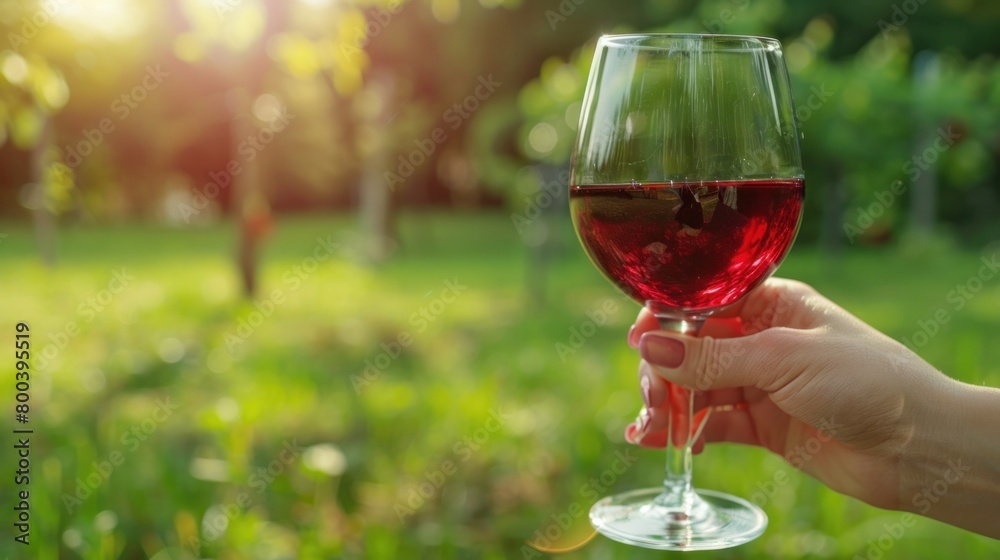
(714, 520)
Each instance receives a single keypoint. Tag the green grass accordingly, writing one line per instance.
(174, 333)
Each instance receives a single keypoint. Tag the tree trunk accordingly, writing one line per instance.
(375, 196)
(831, 237)
(245, 192)
(923, 191)
(45, 223)
(543, 236)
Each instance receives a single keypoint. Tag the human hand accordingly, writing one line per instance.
(803, 378)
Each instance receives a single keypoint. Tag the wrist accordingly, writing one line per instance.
(934, 443)
(950, 467)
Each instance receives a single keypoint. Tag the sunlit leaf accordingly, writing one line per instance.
(244, 26)
(189, 47)
(13, 67)
(348, 55)
(445, 11)
(49, 87)
(235, 26)
(25, 126)
(351, 29)
(299, 55)
(564, 84)
(107, 19)
(58, 186)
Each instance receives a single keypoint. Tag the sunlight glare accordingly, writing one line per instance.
(14, 68)
(109, 19)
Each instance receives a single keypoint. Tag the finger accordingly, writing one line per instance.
(653, 425)
(654, 440)
(718, 426)
(779, 302)
(735, 426)
(658, 440)
(722, 327)
(759, 300)
(767, 360)
(644, 323)
(652, 387)
(718, 398)
(676, 417)
(699, 445)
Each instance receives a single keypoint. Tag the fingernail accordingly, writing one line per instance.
(630, 433)
(646, 391)
(642, 424)
(633, 337)
(661, 351)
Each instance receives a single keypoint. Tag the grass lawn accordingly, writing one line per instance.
(422, 408)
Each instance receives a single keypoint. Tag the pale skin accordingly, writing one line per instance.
(887, 427)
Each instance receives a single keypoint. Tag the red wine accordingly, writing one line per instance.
(688, 246)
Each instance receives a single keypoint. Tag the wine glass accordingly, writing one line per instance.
(686, 192)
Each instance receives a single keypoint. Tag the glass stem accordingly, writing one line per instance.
(677, 489)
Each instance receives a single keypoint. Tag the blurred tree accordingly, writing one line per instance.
(372, 80)
(233, 38)
(333, 44)
(31, 91)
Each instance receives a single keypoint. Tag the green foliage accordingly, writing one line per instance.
(864, 114)
(364, 453)
(32, 91)
(551, 107)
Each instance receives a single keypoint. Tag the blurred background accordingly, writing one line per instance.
(301, 282)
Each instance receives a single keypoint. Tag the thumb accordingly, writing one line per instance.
(760, 360)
